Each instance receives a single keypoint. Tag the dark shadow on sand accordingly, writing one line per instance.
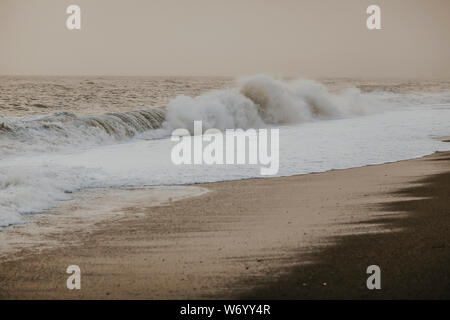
(414, 262)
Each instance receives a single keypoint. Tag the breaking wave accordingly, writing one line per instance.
(262, 100)
(258, 101)
(64, 129)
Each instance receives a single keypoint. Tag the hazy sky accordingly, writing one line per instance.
(317, 38)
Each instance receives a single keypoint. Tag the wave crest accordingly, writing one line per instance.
(258, 101)
(262, 100)
(55, 131)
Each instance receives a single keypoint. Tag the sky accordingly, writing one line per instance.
(314, 38)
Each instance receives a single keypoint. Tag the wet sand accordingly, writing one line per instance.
(308, 236)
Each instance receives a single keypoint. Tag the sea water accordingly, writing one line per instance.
(61, 135)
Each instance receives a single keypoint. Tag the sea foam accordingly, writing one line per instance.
(43, 159)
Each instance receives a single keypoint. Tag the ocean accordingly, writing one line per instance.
(60, 135)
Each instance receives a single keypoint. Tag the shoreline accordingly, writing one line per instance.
(232, 242)
(45, 230)
(99, 192)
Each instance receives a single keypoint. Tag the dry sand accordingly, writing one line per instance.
(308, 236)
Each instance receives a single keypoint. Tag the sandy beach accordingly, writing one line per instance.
(307, 236)
(191, 152)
